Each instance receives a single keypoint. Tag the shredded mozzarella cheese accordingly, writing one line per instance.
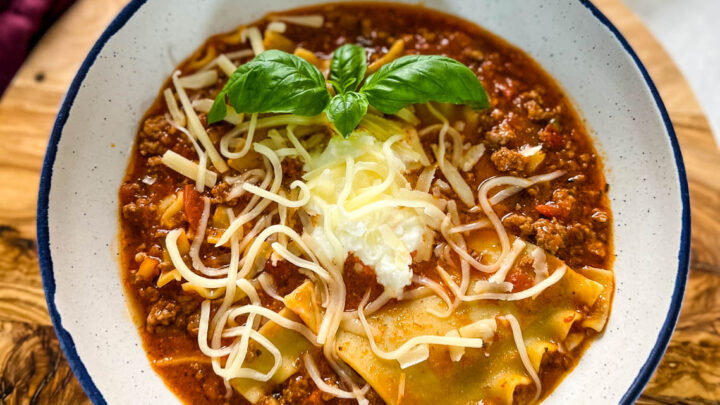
(187, 167)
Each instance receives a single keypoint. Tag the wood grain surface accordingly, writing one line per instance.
(32, 367)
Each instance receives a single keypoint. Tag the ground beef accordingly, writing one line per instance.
(149, 294)
(193, 324)
(551, 137)
(154, 161)
(508, 160)
(156, 126)
(212, 388)
(299, 389)
(220, 194)
(526, 264)
(537, 113)
(140, 211)
(600, 217)
(155, 137)
(285, 275)
(597, 248)
(128, 191)
(268, 400)
(292, 169)
(532, 103)
(562, 205)
(571, 242)
(198, 373)
(522, 224)
(578, 234)
(549, 234)
(501, 134)
(163, 312)
(210, 385)
(359, 279)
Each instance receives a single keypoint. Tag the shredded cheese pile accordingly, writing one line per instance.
(358, 189)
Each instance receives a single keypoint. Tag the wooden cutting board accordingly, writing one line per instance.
(32, 367)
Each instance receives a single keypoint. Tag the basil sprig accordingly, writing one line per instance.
(347, 68)
(279, 82)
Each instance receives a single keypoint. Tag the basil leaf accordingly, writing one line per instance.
(346, 110)
(347, 68)
(417, 79)
(273, 82)
(218, 111)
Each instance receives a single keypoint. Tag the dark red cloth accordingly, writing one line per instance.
(22, 22)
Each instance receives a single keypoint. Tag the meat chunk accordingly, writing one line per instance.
(600, 217)
(532, 102)
(155, 126)
(268, 400)
(521, 223)
(139, 211)
(210, 383)
(193, 325)
(597, 249)
(564, 198)
(508, 160)
(212, 389)
(551, 137)
(537, 113)
(501, 134)
(128, 192)
(561, 205)
(221, 193)
(149, 294)
(298, 388)
(155, 137)
(163, 312)
(550, 235)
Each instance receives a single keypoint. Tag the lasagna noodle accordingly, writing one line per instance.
(290, 343)
(493, 376)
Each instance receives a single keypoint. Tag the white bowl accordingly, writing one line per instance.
(572, 40)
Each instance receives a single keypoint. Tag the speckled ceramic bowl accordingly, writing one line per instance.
(571, 39)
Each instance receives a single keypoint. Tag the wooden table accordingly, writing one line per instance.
(33, 369)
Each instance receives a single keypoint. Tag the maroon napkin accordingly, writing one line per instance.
(22, 23)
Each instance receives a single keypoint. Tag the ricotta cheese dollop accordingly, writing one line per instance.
(344, 179)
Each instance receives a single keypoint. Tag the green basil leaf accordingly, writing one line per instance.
(417, 79)
(218, 110)
(346, 110)
(347, 68)
(273, 82)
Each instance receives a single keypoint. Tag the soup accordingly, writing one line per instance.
(364, 203)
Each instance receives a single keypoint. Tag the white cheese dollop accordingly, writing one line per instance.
(382, 239)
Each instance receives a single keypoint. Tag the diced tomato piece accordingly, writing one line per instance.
(193, 205)
(551, 137)
(521, 280)
(552, 210)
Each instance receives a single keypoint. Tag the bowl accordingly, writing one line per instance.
(93, 135)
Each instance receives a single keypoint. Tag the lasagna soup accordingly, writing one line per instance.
(364, 203)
